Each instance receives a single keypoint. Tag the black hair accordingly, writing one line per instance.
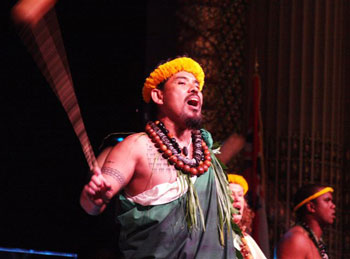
(151, 109)
(303, 193)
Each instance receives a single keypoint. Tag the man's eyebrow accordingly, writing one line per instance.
(181, 77)
(186, 78)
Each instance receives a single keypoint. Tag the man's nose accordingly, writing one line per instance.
(193, 89)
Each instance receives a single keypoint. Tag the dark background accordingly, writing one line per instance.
(111, 47)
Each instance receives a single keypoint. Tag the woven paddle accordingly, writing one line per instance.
(44, 42)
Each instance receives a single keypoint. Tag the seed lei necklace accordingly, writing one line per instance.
(321, 247)
(170, 149)
(245, 251)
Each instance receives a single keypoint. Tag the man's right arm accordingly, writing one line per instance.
(118, 166)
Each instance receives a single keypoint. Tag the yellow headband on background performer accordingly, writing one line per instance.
(167, 70)
(312, 197)
(238, 179)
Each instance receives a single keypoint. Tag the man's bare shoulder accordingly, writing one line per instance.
(133, 142)
(293, 244)
(140, 136)
(296, 232)
(131, 149)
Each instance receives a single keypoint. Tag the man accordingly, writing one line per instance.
(314, 208)
(173, 192)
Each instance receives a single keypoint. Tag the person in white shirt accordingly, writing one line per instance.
(248, 247)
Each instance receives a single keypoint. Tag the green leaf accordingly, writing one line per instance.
(224, 167)
(236, 228)
(238, 254)
(216, 145)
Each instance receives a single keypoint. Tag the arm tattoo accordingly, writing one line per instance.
(114, 173)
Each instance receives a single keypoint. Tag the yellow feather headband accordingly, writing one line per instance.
(238, 179)
(314, 196)
(168, 69)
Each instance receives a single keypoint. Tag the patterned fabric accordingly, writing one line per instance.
(214, 34)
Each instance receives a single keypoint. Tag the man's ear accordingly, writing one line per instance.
(157, 96)
(310, 206)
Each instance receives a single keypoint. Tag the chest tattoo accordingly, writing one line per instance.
(157, 163)
(109, 162)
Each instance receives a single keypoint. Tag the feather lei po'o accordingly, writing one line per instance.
(168, 69)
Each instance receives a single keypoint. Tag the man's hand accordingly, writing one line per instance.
(96, 194)
(30, 12)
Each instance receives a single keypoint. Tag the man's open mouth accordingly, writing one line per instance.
(193, 101)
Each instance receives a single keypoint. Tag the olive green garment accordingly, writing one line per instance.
(161, 231)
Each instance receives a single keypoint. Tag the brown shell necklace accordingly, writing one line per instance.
(170, 149)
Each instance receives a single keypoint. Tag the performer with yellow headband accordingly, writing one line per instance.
(314, 210)
(173, 192)
(248, 247)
